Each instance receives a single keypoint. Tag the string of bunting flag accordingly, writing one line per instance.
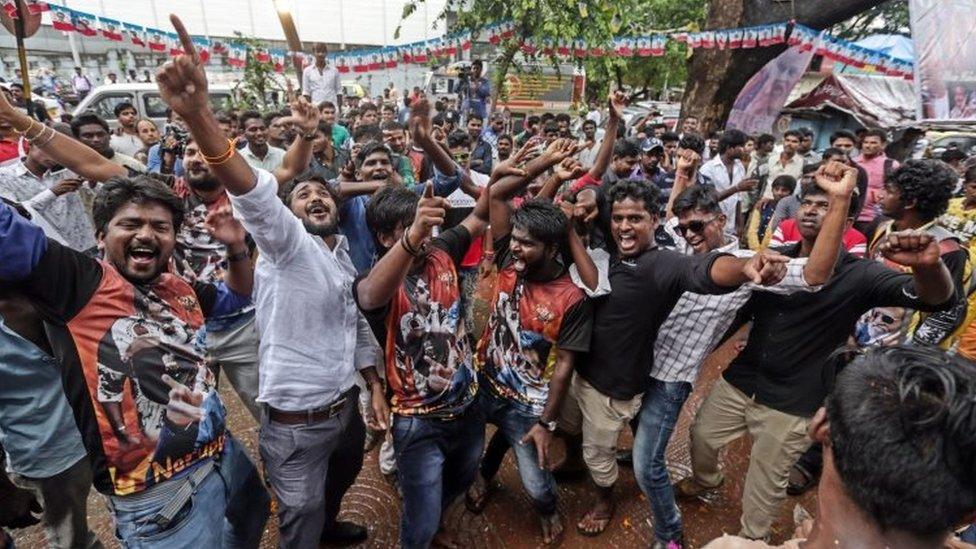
(371, 59)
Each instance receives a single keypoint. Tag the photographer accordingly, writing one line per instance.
(475, 91)
(92, 130)
(167, 156)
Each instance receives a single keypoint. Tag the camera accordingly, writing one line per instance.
(180, 136)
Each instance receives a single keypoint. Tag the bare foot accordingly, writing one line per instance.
(477, 495)
(552, 528)
(596, 520)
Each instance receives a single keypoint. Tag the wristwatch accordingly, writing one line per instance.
(549, 425)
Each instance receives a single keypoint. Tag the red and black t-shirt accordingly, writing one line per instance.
(115, 340)
(529, 321)
(428, 358)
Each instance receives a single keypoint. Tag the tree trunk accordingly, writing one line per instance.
(716, 76)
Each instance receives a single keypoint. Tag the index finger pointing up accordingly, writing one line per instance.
(185, 39)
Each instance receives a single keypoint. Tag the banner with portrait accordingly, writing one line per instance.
(945, 58)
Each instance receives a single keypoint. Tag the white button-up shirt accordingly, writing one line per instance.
(322, 85)
(271, 161)
(718, 175)
(64, 218)
(313, 337)
(698, 321)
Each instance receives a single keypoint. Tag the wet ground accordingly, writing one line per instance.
(508, 520)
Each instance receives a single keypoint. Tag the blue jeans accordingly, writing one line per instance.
(969, 534)
(513, 425)
(228, 509)
(656, 420)
(436, 462)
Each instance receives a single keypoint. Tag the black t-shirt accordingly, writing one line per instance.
(644, 290)
(786, 364)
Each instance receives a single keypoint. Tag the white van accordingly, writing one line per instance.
(145, 97)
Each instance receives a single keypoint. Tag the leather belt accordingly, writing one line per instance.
(309, 417)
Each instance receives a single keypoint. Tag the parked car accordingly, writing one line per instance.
(964, 141)
(145, 97)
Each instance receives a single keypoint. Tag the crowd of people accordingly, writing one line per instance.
(403, 275)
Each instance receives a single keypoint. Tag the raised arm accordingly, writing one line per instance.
(305, 117)
(920, 251)
(839, 180)
(383, 280)
(183, 86)
(240, 273)
(509, 184)
(617, 102)
(568, 169)
(420, 132)
(688, 162)
(68, 152)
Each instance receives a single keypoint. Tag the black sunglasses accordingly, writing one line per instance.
(696, 226)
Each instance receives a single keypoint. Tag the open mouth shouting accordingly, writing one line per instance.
(319, 212)
(142, 256)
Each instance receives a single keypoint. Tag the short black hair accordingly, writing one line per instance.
(550, 126)
(563, 117)
(812, 189)
(970, 175)
(327, 104)
(785, 182)
(367, 133)
(373, 147)
(324, 128)
(692, 141)
(269, 118)
(806, 132)
(764, 139)
(458, 138)
(388, 107)
(473, 116)
(506, 137)
(248, 115)
(928, 182)
(697, 197)
(875, 132)
(543, 220)
(546, 116)
(122, 106)
(390, 208)
(952, 155)
(831, 151)
(589, 122)
(534, 119)
(843, 134)
(670, 137)
(627, 147)
(368, 107)
(903, 437)
(119, 191)
(731, 138)
(637, 190)
(793, 133)
(85, 119)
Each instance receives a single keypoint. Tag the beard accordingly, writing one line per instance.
(321, 230)
(203, 184)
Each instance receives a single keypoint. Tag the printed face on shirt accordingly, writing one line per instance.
(704, 231)
(139, 240)
(313, 204)
(376, 167)
(632, 227)
(255, 131)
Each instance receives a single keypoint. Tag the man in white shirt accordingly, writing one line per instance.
(258, 153)
(81, 84)
(320, 82)
(787, 162)
(726, 172)
(313, 338)
(126, 140)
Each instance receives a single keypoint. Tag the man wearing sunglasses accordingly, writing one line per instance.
(646, 282)
(774, 387)
(697, 323)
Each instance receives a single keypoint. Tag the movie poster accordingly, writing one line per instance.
(945, 58)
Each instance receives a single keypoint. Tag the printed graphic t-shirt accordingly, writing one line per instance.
(529, 321)
(428, 358)
(115, 340)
